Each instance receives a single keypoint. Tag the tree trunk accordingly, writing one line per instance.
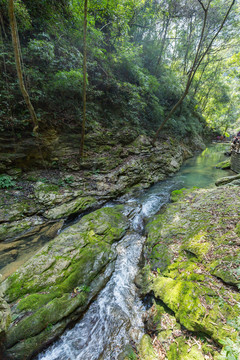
(15, 41)
(84, 78)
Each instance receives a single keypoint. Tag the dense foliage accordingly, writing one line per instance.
(139, 55)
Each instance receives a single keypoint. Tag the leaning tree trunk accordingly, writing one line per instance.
(15, 41)
(84, 78)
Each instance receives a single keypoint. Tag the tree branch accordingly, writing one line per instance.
(202, 5)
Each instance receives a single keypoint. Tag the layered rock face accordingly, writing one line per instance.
(193, 269)
(90, 182)
(56, 285)
(46, 199)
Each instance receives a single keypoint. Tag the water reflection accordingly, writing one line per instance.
(201, 170)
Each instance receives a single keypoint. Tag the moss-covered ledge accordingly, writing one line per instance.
(58, 283)
(193, 258)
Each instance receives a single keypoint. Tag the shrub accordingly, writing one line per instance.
(68, 81)
(6, 181)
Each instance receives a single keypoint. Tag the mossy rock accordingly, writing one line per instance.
(17, 210)
(184, 298)
(5, 316)
(235, 183)
(174, 340)
(51, 194)
(58, 283)
(198, 245)
(224, 165)
(128, 353)
(11, 230)
(198, 235)
(180, 350)
(146, 350)
(237, 229)
(77, 205)
(223, 269)
(177, 195)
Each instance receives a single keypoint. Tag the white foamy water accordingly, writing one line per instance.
(115, 317)
(111, 320)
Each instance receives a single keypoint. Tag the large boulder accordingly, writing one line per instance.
(55, 286)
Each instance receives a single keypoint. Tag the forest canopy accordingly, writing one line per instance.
(139, 56)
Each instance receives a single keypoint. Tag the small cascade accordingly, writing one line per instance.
(112, 318)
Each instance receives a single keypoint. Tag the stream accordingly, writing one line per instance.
(114, 319)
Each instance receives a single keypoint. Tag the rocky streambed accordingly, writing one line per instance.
(35, 210)
(191, 273)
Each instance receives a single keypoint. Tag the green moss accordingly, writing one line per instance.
(75, 206)
(184, 298)
(15, 211)
(226, 268)
(9, 230)
(181, 297)
(34, 301)
(164, 320)
(237, 229)
(184, 270)
(54, 311)
(14, 287)
(146, 350)
(31, 178)
(160, 257)
(177, 195)
(198, 233)
(198, 245)
(180, 350)
(47, 188)
(224, 164)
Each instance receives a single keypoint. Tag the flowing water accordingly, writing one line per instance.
(115, 318)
